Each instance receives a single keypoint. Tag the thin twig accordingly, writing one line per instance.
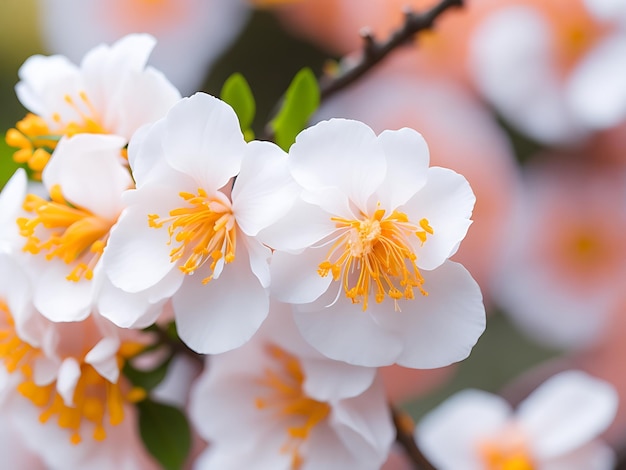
(404, 437)
(373, 51)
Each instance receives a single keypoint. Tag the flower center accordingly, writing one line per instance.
(376, 254)
(576, 31)
(76, 235)
(287, 397)
(507, 452)
(95, 399)
(203, 230)
(36, 140)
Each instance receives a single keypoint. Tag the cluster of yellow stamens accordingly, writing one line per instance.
(36, 139)
(287, 398)
(75, 233)
(203, 230)
(376, 254)
(95, 398)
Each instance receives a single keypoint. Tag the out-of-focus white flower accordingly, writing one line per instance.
(191, 33)
(111, 92)
(560, 275)
(552, 68)
(68, 233)
(556, 427)
(13, 448)
(186, 235)
(364, 251)
(296, 408)
(62, 389)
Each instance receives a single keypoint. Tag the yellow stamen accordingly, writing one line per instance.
(203, 230)
(288, 399)
(375, 253)
(95, 399)
(75, 233)
(36, 139)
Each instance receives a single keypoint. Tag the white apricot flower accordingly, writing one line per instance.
(556, 427)
(185, 234)
(364, 251)
(61, 382)
(553, 69)
(111, 92)
(68, 232)
(277, 403)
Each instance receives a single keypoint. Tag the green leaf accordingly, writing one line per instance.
(146, 379)
(165, 432)
(301, 101)
(237, 93)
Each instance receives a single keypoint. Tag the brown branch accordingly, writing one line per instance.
(404, 437)
(374, 51)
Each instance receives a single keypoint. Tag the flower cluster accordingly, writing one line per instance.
(299, 273)
(178, 293)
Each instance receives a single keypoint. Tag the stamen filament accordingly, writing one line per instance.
(376, 254)
(74, 233)
(204, 230)
(290, 402)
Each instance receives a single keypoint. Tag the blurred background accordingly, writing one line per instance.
(530, 110)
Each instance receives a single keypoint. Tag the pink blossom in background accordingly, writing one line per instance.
(552, 68)
(605, 360)
(441, 52)
(201, 28)
(556, 427)
(561, 274)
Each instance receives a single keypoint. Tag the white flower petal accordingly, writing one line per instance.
(594, 456)
(449, 434)
(607, 10)
(301, 227)
(202, 139)
(264, 190)
(342, 331)
(129, 310)
(446, 201)
(103, 358)
(596, 92)
(61, 300)
(137, 256)
(333, 380)
(567, 411)
(340, 154)
(259, 259)
(89, 171)
(223, 314)
(438, 329)
(39, 76)
(11, 199)
(364, 425)
(68, 376)
(514, 39)
(295, 278)
(407, 163)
